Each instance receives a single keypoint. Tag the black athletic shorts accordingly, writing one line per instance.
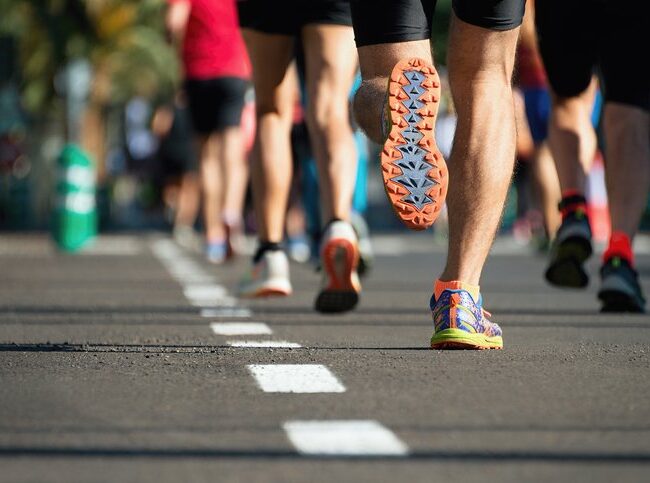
(288, 17)
(394, 21)
(215, 104)
(577, 39)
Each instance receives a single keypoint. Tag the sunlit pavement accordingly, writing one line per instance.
(135, 362)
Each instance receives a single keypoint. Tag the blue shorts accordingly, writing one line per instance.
(538, 110)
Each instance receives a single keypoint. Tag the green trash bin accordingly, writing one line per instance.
(75, 211)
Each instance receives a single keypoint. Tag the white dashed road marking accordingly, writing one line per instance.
(240, 328)
(297, 378)
(234, 312)
(344, 438)
(263, 343)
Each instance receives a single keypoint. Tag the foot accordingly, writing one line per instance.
(269, 276)
(216, 252)
(620, 290)
(570, 250)
(415, 174)
(187, 238)
(461, 323)
(339, 259)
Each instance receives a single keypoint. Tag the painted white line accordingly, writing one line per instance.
(297, 378)
(234, 312)
(204, 292)
(344, 438)
(240, 328)
(263, 343)
(225, 301)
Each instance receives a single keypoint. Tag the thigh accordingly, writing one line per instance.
(568, 44)
(270, 55)
(391, 21)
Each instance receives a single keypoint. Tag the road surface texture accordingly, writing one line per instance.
(134, 362)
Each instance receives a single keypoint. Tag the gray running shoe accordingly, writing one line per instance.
(570, 250)
(620, 290)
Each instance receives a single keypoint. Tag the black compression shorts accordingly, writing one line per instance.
(394, 21)
(577, 39)
(288, 17)
(215, 104)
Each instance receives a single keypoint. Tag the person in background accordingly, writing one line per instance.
(180, 180)
(270, 29)
(216, 71)
(575, 38)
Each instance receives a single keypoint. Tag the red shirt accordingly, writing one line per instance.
(530, 70)
(213, 45)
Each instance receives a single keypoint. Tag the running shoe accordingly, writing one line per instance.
(269, 276)
(461, 323)
(414, 171)
(216, 252)
(620, 290)
(569, 251)
(366, 252)
(339, 258)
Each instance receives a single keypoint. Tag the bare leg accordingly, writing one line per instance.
(482, 158)
(236, 173)
(330, 66)
(189, 200)
(628, 165)
(376, 63)
(547, 187)
(572, 139)
(275, 94)
(211, 183)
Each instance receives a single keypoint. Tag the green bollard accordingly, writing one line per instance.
(75, 212)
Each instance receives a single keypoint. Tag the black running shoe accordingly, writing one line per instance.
(620, 290)
(569, 251)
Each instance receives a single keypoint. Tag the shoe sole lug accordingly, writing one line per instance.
(413, 217)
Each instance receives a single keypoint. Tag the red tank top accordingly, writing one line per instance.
(213, 45)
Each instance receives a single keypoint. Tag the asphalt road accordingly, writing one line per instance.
(110, 370)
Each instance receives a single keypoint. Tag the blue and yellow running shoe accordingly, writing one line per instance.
(461, 323)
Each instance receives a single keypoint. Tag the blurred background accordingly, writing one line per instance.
(93, 73)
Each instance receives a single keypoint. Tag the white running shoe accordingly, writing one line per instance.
(339, 259)
(268, 277)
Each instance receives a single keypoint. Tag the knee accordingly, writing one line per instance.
(327, 110)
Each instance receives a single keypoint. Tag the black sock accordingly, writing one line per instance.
(263, 247)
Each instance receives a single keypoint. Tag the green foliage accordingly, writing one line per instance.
(124, 39)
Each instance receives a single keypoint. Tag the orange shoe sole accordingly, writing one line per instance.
(415, 173)
(340, 258)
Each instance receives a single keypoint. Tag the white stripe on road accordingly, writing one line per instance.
(263, 343)
(204, 292)
(344, 438)
(225, 301)
(297, 378)
(240, 328)
(226, 312)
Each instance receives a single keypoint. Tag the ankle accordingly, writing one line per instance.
(573, 201)
(619, 246)
(263, 247)
(440, 286)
